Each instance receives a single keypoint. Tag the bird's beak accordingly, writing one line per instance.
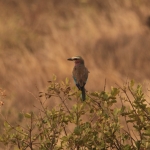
(70, 59)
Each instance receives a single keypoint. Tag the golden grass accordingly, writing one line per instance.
(37, 37)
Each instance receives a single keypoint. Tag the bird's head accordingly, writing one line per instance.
(77, 60)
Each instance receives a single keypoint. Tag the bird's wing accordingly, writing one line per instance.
(80, 75)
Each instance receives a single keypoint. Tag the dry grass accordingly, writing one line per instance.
(38, 36)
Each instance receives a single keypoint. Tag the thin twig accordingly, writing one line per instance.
(105, 85)
(125, 115)
(30, 132)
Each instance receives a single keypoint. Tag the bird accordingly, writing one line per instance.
(80, 74)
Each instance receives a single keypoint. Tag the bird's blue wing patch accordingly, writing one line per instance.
(75, 81)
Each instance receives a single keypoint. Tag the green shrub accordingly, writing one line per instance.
(119, 119)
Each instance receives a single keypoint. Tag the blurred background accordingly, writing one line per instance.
(37, 37)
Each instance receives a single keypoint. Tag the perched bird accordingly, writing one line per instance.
(80, 74)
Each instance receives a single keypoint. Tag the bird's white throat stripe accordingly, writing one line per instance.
(76, 57)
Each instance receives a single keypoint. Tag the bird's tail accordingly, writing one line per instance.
(83, 93)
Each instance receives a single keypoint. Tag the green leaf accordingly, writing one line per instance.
(114, 91)
(91, 110)
(147, 144)
(131, 83)
(116, 111)
(138, 144)
(27, 115)
(6, 124)
(123, 109)
(71, 93)
(147, 132)
(54, 77)
(67, 81)
(96, 94)
(77, 130)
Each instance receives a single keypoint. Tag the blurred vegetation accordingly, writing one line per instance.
(96, 124)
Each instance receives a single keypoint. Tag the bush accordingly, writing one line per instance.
(119, 119)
